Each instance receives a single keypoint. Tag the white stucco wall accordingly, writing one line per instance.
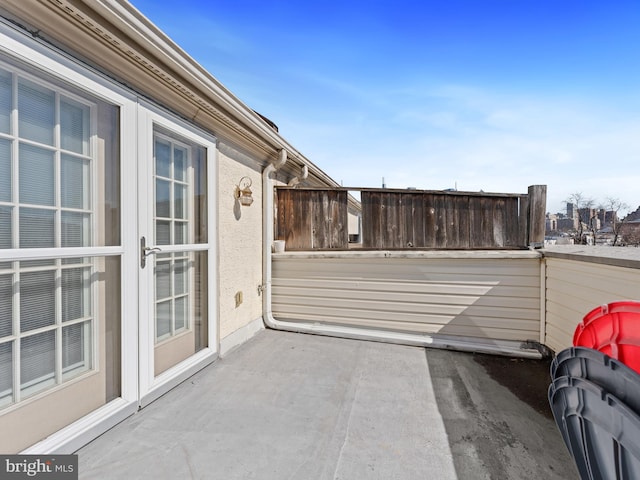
(240, 242)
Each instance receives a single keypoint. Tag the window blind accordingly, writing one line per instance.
(37, 299)
(36, 173)
(37, 361)
(36, 228)
(6, 372)
(6, 303)
(5, 101)
(75, 293)
(74, 127)
(5, 170)
(36, 107)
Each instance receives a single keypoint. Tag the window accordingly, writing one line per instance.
(173, 225)
(58, 189)
(179, 220)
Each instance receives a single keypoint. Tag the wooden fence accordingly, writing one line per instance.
(317, 219)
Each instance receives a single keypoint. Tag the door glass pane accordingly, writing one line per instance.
(74, 126)
(5, 101)
(6, 373)
(109, 130)
(200, 308)
(180, 235)
(75, 293)
(180, 163)
(59, 187)
(163, 232)
(5, 227)
(198, 199)
(75, 229)
(37, 362)
(5, 170)
(171, 295)
(163, 319)
(163, 280)
(36, 228)
(36, 112)
(180, 283)
(76, 349)
(36, 175)
(113, 327)
(74, 182)
(163, 199)
(181, 296)
(181, 313)
(6, 304)
(163, 158)
(37, 299)
(179, 277)
(180, 213)
(180, 206)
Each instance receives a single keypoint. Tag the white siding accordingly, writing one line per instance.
(496, 298)
(574, 288)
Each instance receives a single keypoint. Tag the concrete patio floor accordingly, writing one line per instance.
(295, 406)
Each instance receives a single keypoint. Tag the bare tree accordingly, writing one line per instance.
(614, 205)
(630, 236)
(583, 207)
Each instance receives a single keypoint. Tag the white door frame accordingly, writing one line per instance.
(151, 386)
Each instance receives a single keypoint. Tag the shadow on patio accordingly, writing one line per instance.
(295, 406)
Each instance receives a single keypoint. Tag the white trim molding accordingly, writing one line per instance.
(240, 336)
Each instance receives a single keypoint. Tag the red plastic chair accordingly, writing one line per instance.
(613, 329)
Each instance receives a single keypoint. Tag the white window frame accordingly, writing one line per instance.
(20, 393)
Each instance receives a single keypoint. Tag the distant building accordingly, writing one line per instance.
(566, 224)
(607, 217)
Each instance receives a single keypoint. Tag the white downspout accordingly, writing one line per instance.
(296, 180)
(267, 237)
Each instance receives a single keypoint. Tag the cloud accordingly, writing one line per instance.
(435, 137)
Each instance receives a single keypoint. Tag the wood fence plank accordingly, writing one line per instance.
(460, 222)
(537, 207)
(512, 222)
(523, 218)
(372, 220)
(430, 220)
(391, 205)
(318, 219)
(338, 217)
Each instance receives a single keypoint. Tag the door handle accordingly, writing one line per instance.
(146, 251)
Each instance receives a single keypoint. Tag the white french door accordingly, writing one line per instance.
(86, 172)
(177, 314)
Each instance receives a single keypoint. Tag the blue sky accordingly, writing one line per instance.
(492, 95)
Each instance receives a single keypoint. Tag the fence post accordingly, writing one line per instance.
(537, 211)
